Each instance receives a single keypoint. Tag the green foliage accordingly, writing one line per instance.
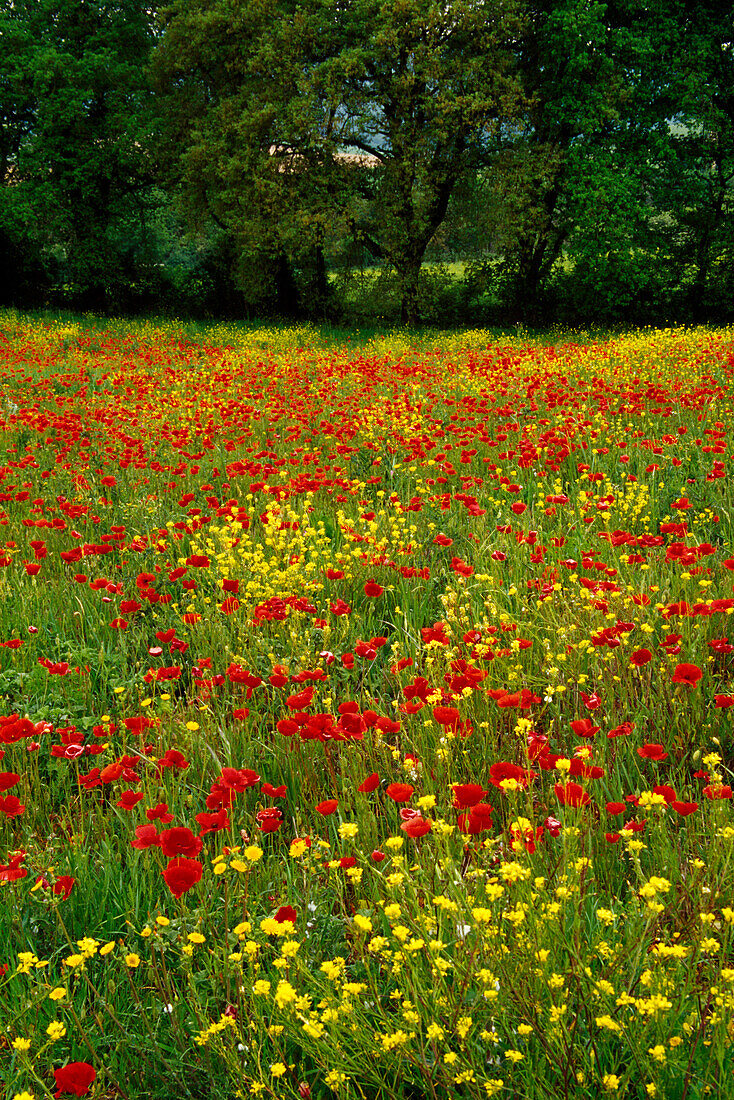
(694, 180)
(444, 296)
(268, 149)
(569, 154)
(572, 64)
(73, 102)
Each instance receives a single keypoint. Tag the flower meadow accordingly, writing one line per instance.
(365, 714)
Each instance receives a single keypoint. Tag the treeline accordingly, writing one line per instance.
(438, 160)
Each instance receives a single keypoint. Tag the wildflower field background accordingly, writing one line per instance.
(365, 714)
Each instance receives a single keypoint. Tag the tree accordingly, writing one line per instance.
(267, 100)
(72, 98)
(20, 262)
(579, 63)
(694, 181)
(656, 194)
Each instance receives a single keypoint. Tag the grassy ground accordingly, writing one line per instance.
(365, 720)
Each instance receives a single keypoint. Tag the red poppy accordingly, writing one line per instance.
(128, 800)
(684, 808)
(287, 726)
(11, 806)
(504, 770)
(640, 657)
(274, 792)
(269, 820)
(399, 792)
(667, 792)
(12, 871)
(138, 724)
(553, 826)
(8, 780)
(286, 912)
(724, 701)
(461, 567)
(588, 771)
(524, 840)
(63, 886)
(417, 826)
(111, 773)
(687, 674)
(146, 836)
(446, 716)
(523, 699)
(372, 589)
(180, 841)
(181, 874)
(584, 727)
(328, 807)
(371, 783)
(652, 751)
(615, 808)
(571, 794)
(518, 507)
(74, 1079)
(478, 820)
(239, 779)
(301, 699)
(172, 758)
(622, 731)
(537, 745)
(159, 812)
(717, 794)
(466, 795)
(215, 822)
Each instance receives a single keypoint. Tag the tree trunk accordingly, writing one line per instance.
(286, 291)
(408, 276)
(320, 306)
(709, 229)
(537, 253)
